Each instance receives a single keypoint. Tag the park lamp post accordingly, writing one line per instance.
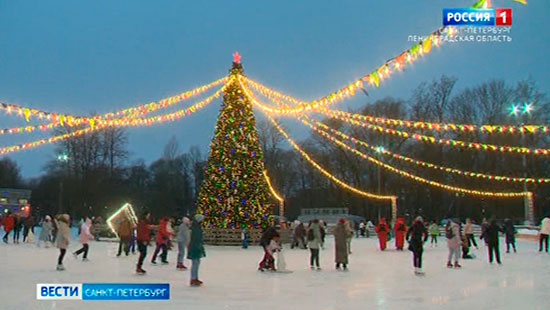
(521, 112)
(63, 158)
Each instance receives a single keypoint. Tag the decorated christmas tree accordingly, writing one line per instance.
(234, 192)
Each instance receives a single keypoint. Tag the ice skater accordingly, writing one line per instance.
(434, 233)
(491, 238)
(417, 235)
(510, 235)
(267, 261)
(341, 234)
(28, 228)
(62, 238)
(84, 239)
(143, 237)
(196, 249)
(183, 242)
(17, 225)
(244, 238)
(382, 231)
(454, 241)
(45, 232)
(469, 232)
(314, 244)
(124, 232)
(163, 235)
(400, 229)
(543, 234)
(8, 222)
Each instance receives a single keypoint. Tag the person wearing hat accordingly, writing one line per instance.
(195, 250)
(45, 232)
(62, 239)
(341, 234)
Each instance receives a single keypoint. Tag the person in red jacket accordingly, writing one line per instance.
(400, 229)
(8, 222)
(382, 231)
(163, 235)
(143, 237)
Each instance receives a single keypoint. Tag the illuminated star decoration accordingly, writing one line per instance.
(236, 57)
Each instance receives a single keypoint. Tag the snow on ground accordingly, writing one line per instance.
(376, 280)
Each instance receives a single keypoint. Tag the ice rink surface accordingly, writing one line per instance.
(375, 280)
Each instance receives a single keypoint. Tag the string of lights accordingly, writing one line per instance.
(59, 119)
(421, 179)
(382, 150)
(115, 123)
(344, 116)
(486, 128)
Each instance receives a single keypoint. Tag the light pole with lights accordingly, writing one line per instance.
(63, 159)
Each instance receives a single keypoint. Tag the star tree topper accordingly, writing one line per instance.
(236, 57)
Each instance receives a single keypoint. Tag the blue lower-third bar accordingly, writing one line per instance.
(125, 291)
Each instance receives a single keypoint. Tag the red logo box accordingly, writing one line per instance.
(503, 17)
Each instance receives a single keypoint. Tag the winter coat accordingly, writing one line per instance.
(545, 226)
(316, 242)
(125, 230)
(8, 222)
(491, 234)
(183, 234)
(29, 222)
(434, 230)
(273, 247)
(300, 231)
(400, 229)
(417, 235)
(341, 234)
(163, 235)
(509, 231)
(456, 241)
(196, 243)
(46, 231)
(267, 235)
(468, 229)
(143, 231)
(85, 233)
(382, 231)
(62, 239)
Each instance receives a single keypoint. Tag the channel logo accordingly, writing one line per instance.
(103, 291)
(477, 17)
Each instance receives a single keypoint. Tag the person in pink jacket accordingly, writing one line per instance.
(84, 238)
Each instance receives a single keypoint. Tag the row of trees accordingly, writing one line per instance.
(99, 176)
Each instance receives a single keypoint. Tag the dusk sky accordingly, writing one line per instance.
(79, 57)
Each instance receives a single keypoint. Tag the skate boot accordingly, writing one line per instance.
(449, 265)
(457, 265)
(60, 267)
(181, 266)
(195, 283)
(140, 271)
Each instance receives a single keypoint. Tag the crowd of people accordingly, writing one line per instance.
(188, 235)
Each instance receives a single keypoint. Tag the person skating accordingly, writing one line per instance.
(124, 232)
(469, 233)
(314, 243)
(491, 237)
(454, 241)
(484, 226)
(84, 239)
(299, 235)
(416, 236)
(163, 235)
(382, 231)
(341, 234)
(62, 238)
(8, 222)
(273, 247)
(510, 235)
(434, 233)
(17, 226)
(183, 242)
(400, 230)
(45, 232)
(543, 234)
(196, 249)
(265, 240)
(28, 226)
(244, 238)
(143, 237)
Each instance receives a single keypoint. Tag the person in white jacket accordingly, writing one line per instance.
(544, 232)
